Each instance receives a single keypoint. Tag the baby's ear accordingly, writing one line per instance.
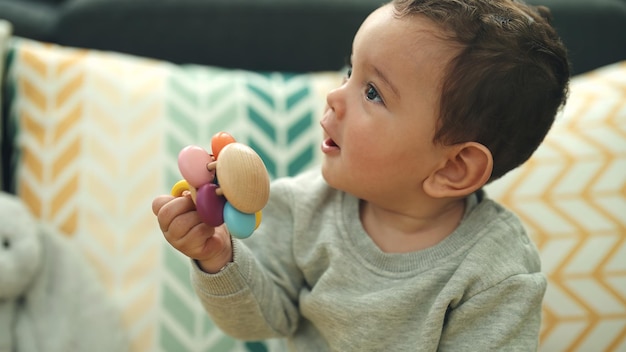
(467, 168)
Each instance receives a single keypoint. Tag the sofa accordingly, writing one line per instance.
(268, 35)
(98, 97)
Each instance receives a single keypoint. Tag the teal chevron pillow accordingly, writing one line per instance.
(277, 114)
(94, 136)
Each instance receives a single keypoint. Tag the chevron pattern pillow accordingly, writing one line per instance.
(96, 136)
(571, 196)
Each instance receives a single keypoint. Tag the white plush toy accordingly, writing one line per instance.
(50, 299)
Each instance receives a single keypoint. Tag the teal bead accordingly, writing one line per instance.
(240, 225)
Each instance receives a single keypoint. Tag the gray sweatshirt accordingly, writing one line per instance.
(312, 275)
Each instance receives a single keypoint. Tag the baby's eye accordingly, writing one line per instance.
(372, 94)
(347, 75)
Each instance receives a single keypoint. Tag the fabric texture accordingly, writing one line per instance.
(64, 307)
(93, 136)
(571, 196)
(312, 274)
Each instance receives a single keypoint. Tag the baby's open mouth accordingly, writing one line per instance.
(329, 145)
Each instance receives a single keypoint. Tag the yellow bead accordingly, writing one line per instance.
(179, 188)
(258, 217)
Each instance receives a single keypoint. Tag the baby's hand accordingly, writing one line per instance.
(183, 229)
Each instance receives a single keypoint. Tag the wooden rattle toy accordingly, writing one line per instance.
(230, 186)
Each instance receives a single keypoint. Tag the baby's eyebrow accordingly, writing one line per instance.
(385, 80)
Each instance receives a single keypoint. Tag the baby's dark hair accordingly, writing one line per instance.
(508, 81)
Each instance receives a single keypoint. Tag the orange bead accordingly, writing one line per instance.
(219, 141)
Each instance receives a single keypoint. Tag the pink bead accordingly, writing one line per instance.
(192, 161)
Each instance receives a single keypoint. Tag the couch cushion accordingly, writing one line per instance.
(96, 138)
(31, 18)
(585, 28)
(571, 196)
(289, 35)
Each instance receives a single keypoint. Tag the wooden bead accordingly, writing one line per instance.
(243, 178)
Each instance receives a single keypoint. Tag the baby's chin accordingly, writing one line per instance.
(328, 176)
(334, 181)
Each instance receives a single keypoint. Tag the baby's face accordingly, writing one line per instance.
(380, 123)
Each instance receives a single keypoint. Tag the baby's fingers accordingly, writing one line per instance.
(201, 242)
(184, 230)
(168, 209)
(159, 202)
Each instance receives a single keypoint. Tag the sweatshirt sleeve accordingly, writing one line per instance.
(255, 296)
(505, 317)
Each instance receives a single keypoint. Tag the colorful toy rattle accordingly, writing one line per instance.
(230, 186)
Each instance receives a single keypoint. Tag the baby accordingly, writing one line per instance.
(392, 245)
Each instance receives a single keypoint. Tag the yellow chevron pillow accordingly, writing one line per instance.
(571, 196)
